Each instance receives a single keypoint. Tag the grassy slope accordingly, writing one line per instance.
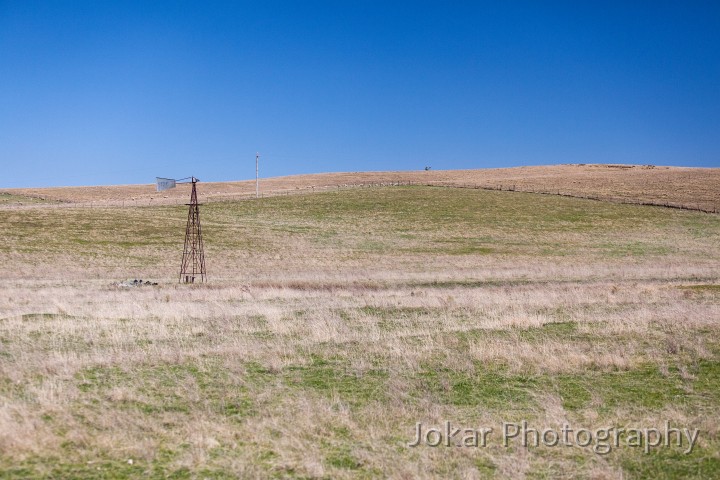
(692, 187)
(336, 321)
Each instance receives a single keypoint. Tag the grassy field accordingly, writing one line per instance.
(334, 322)
(694, 188)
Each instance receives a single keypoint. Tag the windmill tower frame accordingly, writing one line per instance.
(193, 259)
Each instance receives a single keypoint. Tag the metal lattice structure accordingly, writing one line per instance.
(193, 259)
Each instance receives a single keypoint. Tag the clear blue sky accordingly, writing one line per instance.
(103, 92)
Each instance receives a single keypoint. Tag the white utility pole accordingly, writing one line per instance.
(257, 178)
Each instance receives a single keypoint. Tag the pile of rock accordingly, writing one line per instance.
(135, 283)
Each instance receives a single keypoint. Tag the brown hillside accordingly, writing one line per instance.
(677, 186)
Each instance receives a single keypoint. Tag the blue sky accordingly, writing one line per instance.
(102, 92)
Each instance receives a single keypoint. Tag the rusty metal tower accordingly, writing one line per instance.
(193, 259)
(192, 267)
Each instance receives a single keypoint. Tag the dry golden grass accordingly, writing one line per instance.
(334, 322)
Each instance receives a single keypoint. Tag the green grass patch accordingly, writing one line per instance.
(644, 388)
(670, 463)
(153, 389)
(490, 388)
(30, 317)
(342, 458)
(102, 469)
(702, 288)
(328, 377)
(634, 249)
(707, 382)
(395, 312)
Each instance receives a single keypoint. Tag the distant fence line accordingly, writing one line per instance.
(216, 198)
(600, 198)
